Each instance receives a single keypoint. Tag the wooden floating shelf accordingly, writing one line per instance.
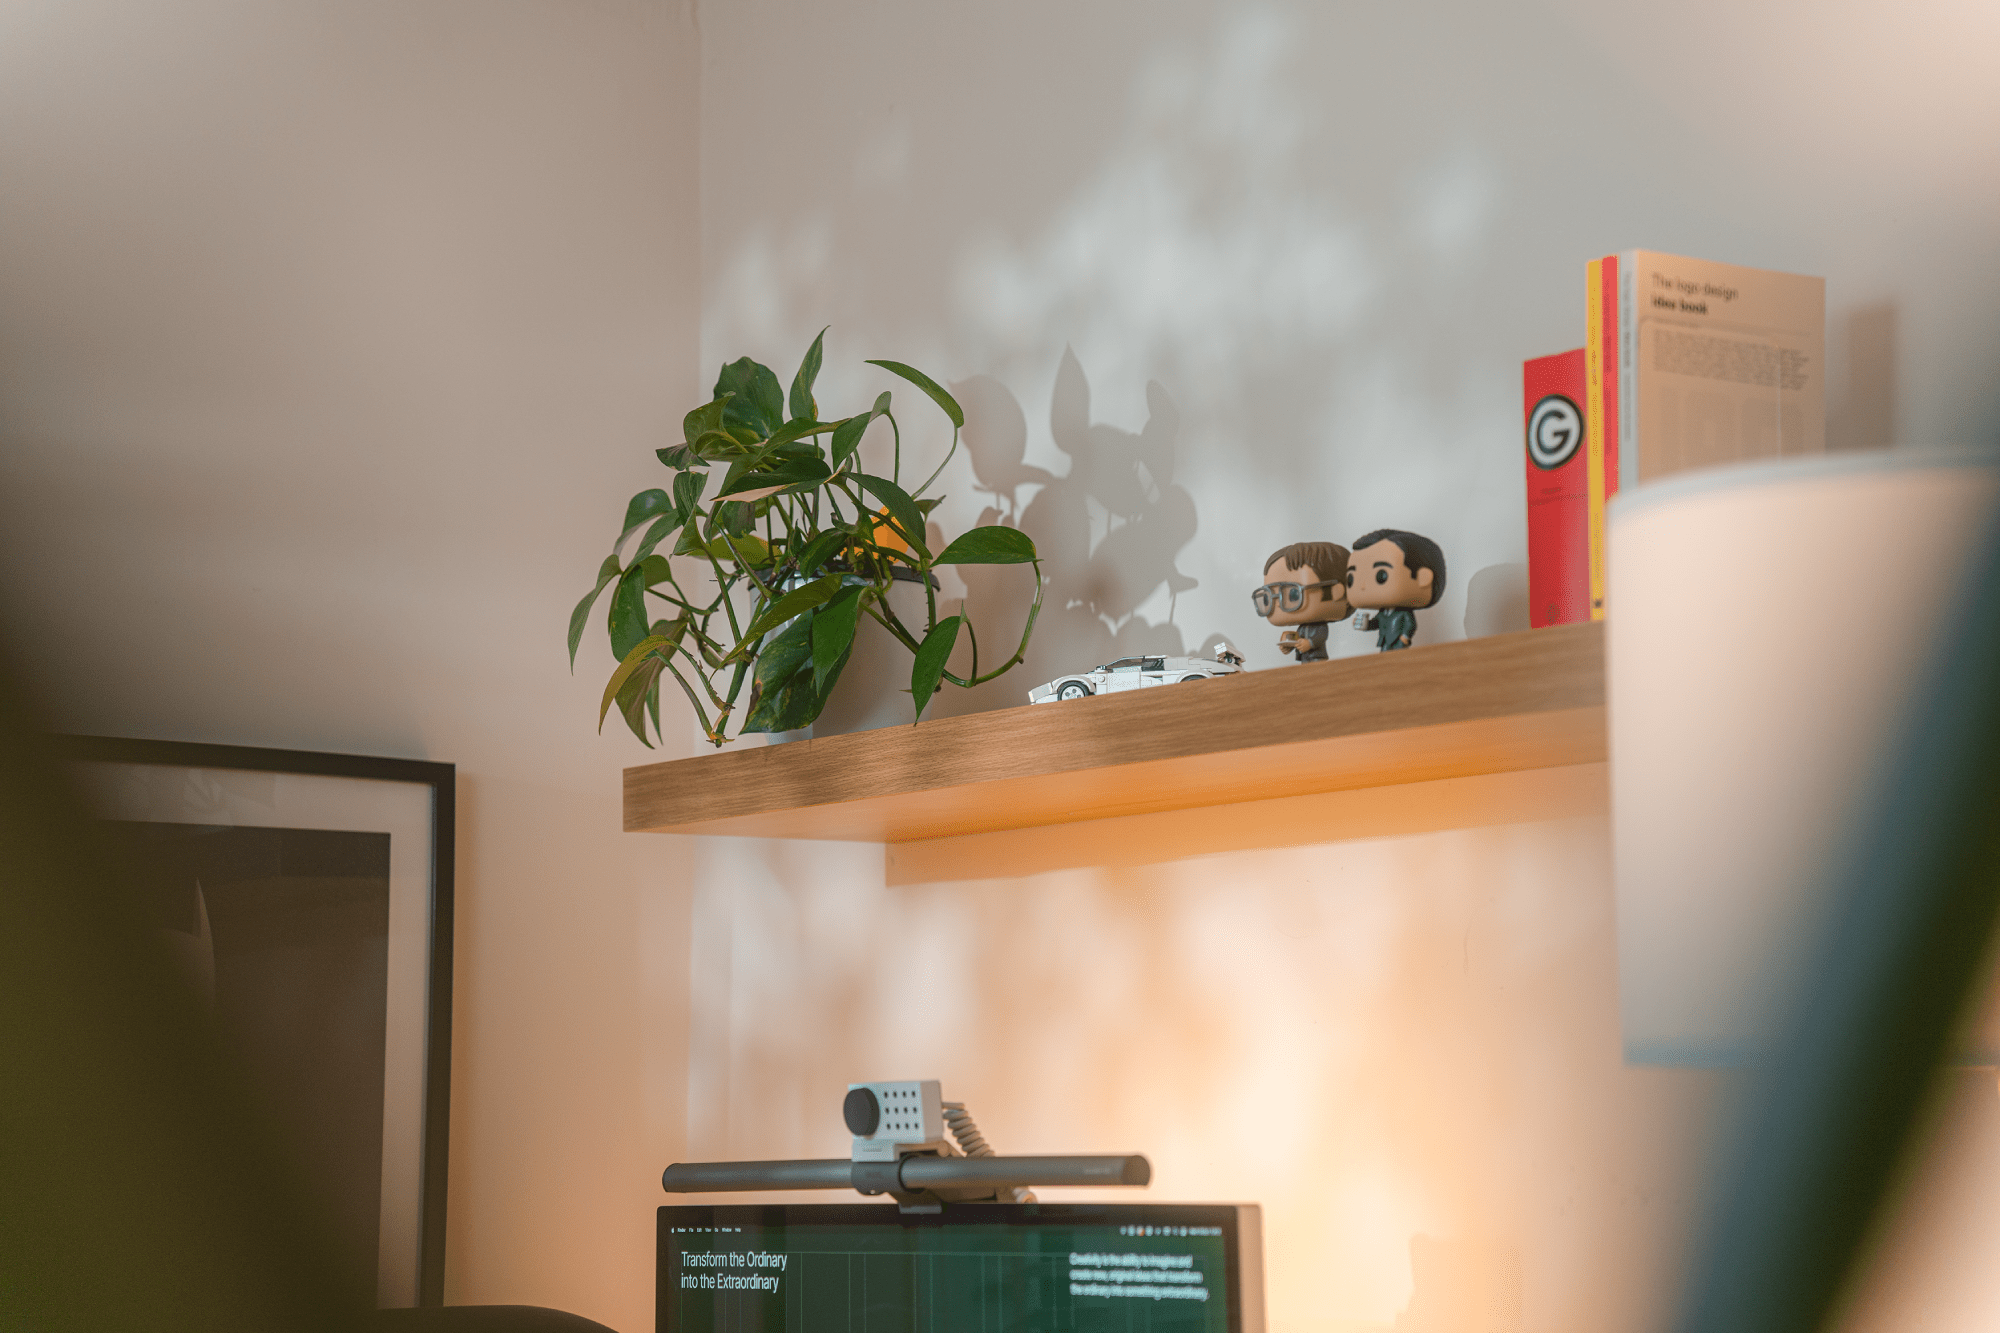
(1514, 701)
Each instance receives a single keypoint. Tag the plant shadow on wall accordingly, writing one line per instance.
(1107, 531)
(771, 551)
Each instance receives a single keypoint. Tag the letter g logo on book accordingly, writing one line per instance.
(1555, 429)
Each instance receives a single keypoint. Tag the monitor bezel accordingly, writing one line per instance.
(1223, 1215)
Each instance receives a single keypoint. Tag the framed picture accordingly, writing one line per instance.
(310, 898)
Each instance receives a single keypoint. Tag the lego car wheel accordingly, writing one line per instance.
(1197, 675)
(1072, 689)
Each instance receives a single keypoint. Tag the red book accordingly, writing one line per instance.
(1552, 403)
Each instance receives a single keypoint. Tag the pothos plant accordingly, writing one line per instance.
(784, 545)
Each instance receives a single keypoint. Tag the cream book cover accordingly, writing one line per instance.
(1717, 364)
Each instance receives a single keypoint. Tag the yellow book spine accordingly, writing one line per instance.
(1593, 427)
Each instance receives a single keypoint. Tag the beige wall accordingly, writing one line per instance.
(333, 337)
(1214, 278)
(1386, 1043)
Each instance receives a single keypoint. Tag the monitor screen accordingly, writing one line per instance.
(817, 1268)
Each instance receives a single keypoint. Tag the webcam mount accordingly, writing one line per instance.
(920, 1150)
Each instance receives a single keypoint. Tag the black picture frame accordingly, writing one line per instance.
(440, 780)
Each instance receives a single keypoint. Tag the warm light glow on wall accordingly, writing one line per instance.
(1405, 1049)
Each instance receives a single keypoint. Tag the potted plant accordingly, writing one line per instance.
(769, 502)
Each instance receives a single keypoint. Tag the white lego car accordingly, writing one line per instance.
(1136, 673)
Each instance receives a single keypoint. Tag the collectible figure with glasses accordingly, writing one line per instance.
(1304, 591)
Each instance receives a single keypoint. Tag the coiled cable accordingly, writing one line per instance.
(965, 1132)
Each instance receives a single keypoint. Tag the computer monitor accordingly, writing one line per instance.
(1073, 1267)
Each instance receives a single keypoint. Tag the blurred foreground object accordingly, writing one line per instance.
(135, 1191)
(1891, 915)
(314, 895)
(1772, 622)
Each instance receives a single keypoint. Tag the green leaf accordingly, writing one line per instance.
(655, 535)
(634, 694)
(781, 684)
(718, 444)
(680, 458)
(687, 493)
(737, 472)
(833, 627)
(632, 661)
(802, 403)
(788, 652)
(792, 703)
(788, 475)
(735, 518)
(706, 418)
(932, 654)
(847, 437)
(577, 618)
(903, 511)
(639, 697)
(749, 550)
(929, 386)
(786, 444)
(796, 602)
(796, 429)
(628, 611)
(820, 550)
(811, 698)
(989, 546)
(758, 403)
(787, 693)
(644, 505)
(824, 688)
(655, 570)
(783, 706)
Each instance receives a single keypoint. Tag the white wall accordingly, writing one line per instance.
(1214, 278)
(333, 337)
(1311, 244)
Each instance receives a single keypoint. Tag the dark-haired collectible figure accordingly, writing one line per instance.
(1393, 574)
(1304, 589)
